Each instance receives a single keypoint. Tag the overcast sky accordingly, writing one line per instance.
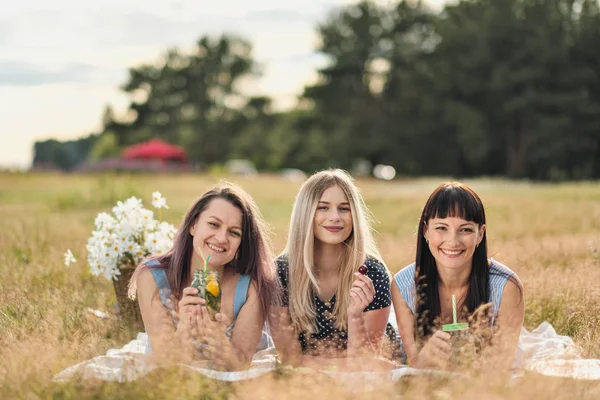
(61, 62)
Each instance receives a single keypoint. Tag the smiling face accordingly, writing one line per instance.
(452, 241)
(333, 218)
(218, 232)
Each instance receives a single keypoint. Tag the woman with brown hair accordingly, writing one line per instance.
(226, 227)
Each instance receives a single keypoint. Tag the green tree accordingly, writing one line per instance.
(192, 99)
(511, 91)
(65, 156)
(346, 100)
(106, 146)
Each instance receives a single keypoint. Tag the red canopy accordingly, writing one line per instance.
(155, 149)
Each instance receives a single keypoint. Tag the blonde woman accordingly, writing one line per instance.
(330, 310)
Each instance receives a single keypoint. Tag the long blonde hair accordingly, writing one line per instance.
(299, 249)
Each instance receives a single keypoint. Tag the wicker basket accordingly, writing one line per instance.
(127, 309)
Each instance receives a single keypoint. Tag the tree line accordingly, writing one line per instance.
(484, 87)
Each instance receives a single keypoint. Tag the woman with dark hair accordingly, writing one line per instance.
(452, 261)
(226, 227)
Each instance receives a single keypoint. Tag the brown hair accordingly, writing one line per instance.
(254, 256)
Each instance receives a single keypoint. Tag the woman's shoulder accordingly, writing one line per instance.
(375, 264)
(282, 264)
(152, 263)
(153, 270)
(409, 268)
(143, 277)
(282, 260)
(147, 265)
(145, 281)
(504, 277)
(406, 273)
(377, 272)
(497, 268)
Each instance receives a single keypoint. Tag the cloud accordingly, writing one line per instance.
(20, 73)
(278, 15)
(132, 29)
(97, 47)
(56, 110)
(80, 55)
(139, 28)
(104, 29)
(311, 58)
(5, 32)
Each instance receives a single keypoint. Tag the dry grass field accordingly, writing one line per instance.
(548, 233)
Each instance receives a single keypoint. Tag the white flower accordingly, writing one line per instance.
(104, 221)
(96, 268)
(124, 210)
(133, 203)
(146, 216)
(111, 273)
(152, 242)
(158, 201)
(126, 237)
(69, 258)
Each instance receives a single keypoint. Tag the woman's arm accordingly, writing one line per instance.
(289, 349)
(285, 337)
(406, 325)
(157, 320)
(365, 329)
(237, 354)
(500, 355)
(436, 351)
(365, 332)
(288, 346)
(283, 332)
(169, 342)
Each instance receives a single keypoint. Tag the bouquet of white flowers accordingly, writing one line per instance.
(121, 241)
(128, 236)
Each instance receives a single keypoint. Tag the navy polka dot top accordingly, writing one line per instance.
(328, 338)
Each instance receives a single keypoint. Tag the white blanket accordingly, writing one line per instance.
(542, 351)
(548, 353)
(130, 362)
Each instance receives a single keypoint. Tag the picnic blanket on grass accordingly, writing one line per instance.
(541, 351)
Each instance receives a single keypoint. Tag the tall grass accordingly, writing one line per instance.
(549, 234)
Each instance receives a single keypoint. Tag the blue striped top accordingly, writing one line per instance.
(499, 275)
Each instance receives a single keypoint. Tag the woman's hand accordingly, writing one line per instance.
(436, 352)
(187, 308)
(211, 334)
(362, 293)
(208, 329)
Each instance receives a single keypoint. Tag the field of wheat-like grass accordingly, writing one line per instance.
(548, 233)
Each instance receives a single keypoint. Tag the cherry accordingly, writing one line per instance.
(362, 269)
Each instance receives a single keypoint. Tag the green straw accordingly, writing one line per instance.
(453, 309)
(455, 326)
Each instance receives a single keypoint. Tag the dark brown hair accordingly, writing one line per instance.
(254, 256)
(451, 199)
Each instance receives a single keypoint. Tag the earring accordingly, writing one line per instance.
(426, 240)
